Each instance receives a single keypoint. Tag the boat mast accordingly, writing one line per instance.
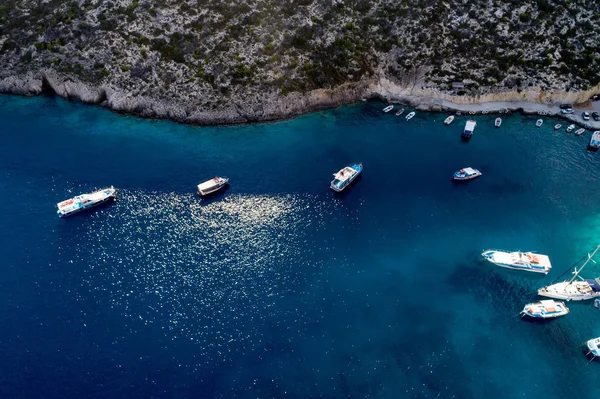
(576, 274)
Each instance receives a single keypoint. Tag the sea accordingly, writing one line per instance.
(278, 287)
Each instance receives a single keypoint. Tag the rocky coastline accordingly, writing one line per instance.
(271, 106)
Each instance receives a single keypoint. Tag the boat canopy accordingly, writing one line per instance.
(470, 125)
(594, 284)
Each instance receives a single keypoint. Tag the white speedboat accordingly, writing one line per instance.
(595, 140)
(400, 112)
(539, 122)
(498, 122)
(579, 132)
(388, 108)
(576, 288)
(547, 309)
(410, 116)
(527, 261)
(469, 129)
(466, 174)
(449, 120)
(85, 201)
(212, 185)
(344, 177)
(594, 346)
(570, 128)
(557, 126)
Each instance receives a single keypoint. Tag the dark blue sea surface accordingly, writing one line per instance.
(278, 287)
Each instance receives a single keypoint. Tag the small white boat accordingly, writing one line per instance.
(570, 128)
(594, 346)
(579, 132)
(85, 201)
(449, 120)
(400, 112)
(573, 289)
(539, 122)
(527, 261)
(557, 126)
(595, 140)
(466, 174)
(344, 177)
(388, 108)
(498, 122)
(469, 129)
(410, 116)
(546, 309)
(212, 185)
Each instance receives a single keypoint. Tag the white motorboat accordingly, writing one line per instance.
(539, 122)
(449, 120)
(85, 201)
(594, 346)
(595, 140)
(576, 288)
(388, 108)
(466, 174)
(527, 261)
(212, 185)
(400, 112)
(410, 116)
(557, 126)
(344, 177)
(498, 122)
(579, 132)
(547, 309)
(469, 129)
(570, 128)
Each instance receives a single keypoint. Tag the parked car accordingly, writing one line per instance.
(566, 111)
(565, 106)
(596, 116)
(585, 116)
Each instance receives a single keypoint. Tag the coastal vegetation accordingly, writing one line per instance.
(210, 51)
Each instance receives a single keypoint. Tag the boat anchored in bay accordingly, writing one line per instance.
(539, 122)
(466, 174)
(449, 120)
(546, 309)
(345, 177)
(469, 129)
(212, 185)
(527, 261)
(85, 201)
(388, 108)
(410, 116)
(595, 141)
(594, 346)
(498, 122)
(573, 289)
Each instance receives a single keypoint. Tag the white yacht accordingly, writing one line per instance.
(449, 120)
(498, 122)
(85, 201)
(212, 185)
(539, 122)
(547, 309)
(594, 346)
(527, 261)
(575, 289)
(570, 128)
(388, 108)
(410, 116)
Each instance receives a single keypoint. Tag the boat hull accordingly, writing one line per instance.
(489, 255)
(576, 291)
(222, 184)
(108, 199)
(358, 168)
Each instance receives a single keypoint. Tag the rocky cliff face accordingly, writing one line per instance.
(214, 61)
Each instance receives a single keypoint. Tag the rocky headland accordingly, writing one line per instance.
(216, 62)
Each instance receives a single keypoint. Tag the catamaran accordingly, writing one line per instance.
(344, 177)
(85, 201)
(469, 129)
(595, 140)
(449, 120)
(594, 346)
(212, 185)
(547, 309)
(527, 261)
(573, 289)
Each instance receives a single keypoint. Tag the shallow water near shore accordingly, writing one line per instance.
(278, 287)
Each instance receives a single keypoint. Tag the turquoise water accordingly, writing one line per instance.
(278, 287)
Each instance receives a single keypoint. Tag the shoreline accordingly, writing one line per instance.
(269, 107)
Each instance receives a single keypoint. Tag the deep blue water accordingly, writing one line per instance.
(277, 287)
